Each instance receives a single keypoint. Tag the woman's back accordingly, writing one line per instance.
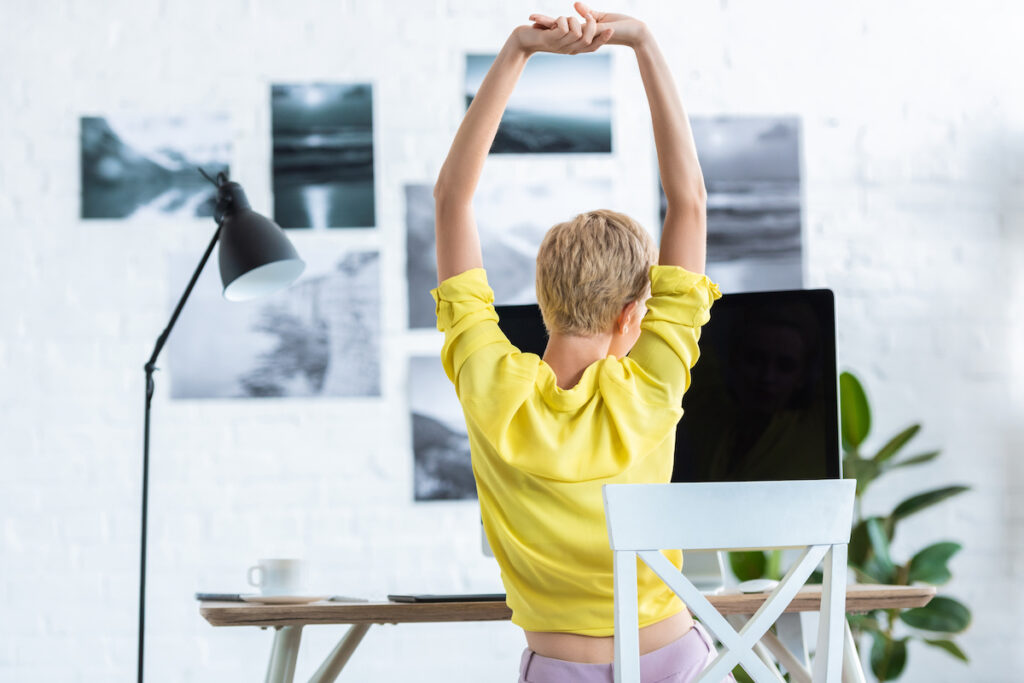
(541, 453)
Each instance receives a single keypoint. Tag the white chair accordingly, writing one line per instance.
(815, 515)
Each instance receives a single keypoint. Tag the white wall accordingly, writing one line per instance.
(913, 123)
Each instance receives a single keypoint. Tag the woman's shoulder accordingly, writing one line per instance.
(625, 379)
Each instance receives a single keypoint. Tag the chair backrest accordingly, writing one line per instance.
(644, 519)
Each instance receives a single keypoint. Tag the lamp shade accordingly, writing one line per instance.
(256, 257)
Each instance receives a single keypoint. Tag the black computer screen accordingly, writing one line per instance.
(762, 401)
(762, 398)
(524, 327)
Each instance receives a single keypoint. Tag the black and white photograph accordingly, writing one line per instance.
(440, 445)
(512, 220)
(323, 155)
(562, 104)
(142, 167)
(318, 338)
(751, 167)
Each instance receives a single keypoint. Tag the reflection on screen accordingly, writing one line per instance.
(761, 404)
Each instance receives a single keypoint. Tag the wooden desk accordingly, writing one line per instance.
(288, 620)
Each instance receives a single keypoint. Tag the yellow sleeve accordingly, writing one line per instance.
(465, 313)
(680, 304)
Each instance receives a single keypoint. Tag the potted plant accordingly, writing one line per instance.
(869, 551)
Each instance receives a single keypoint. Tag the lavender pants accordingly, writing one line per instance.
(678, 662)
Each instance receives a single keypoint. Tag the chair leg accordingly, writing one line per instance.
(738, 621)
(627, 621)
(738, 648)
(852, 671)
(790, 629)
(798, 673)
(828, 656)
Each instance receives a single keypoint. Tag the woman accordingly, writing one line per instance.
(602, 405)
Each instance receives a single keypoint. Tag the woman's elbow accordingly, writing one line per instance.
(439, 190)
(446, 194)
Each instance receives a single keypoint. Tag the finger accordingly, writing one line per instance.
(573, 35)
(584, 10)
(602, 38)
(544, 20)
(574, 28)
(589, 29)
(563, 25)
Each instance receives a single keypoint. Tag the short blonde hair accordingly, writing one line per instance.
(588, 268)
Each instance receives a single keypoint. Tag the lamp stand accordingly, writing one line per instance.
(150, 368)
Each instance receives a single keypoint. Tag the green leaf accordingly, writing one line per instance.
(941, 614)
(857, 550)
(741, 676)
(929, 565)
(864, 470)
(748, 564)
(879, 573)
(863, 622)
(949, 646)
(863, 576)
(854, 410)
(915, 460)
(890, 527)
(880, 564)
(773, 565)
(923, 500)
(888, 656)
(896, 443)
(850, 461)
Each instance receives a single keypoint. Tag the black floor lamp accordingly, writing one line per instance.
(256, 258)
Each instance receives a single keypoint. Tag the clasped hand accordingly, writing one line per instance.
(567, 35)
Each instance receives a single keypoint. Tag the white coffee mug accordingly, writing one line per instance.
(277, 576)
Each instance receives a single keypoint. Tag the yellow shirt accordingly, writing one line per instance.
(541, 454)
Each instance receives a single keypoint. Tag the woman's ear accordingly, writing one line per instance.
(629, 317)
(639, 311)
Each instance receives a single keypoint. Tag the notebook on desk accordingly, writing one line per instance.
(457, 597)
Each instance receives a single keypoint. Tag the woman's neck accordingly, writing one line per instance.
(569, 356)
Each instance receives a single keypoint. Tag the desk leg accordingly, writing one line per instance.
(283, 654)
(798, 673)
(852, 671)
(339, 656)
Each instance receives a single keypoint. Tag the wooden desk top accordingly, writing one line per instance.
(859, 598)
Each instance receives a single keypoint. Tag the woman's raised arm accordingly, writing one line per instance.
(684, 235)
(458, 244)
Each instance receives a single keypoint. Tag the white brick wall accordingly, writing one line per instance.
(913, 124)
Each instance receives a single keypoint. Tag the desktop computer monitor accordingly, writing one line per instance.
(762, 402)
